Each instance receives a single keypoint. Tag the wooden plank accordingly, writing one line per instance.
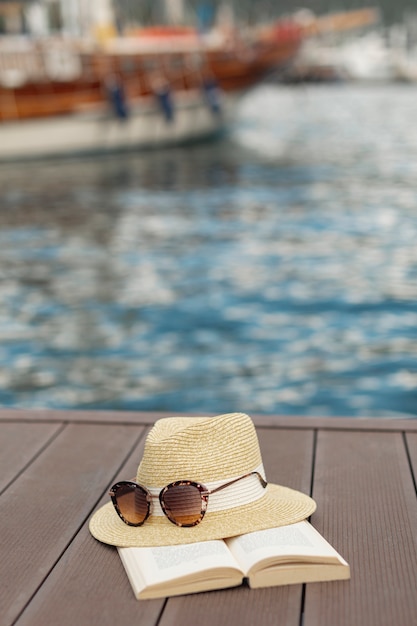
(367, 509)
(43, 509)
(411, 439)
(89, 587)
(89, 584)
(240, 606)
(336, 423)
(261, 421)
(81, 416)
(287, 457)
(19, 445)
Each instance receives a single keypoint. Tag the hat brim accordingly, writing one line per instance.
(278, 507)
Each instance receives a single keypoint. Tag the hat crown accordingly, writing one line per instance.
(205, 449)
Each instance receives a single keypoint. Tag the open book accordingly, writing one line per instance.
(279, 556)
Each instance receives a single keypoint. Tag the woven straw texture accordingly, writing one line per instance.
(205, 450)
(199, 448)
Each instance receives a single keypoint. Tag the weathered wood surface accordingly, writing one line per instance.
(55, 470)
(142, 418)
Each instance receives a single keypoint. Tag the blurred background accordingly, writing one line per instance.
(209, 207)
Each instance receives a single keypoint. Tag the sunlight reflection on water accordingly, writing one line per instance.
(274, 271)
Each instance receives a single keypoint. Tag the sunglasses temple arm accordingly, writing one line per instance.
(262, 480)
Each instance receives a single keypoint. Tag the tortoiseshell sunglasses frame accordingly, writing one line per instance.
(204, 494)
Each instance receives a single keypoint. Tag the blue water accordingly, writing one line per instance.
(273, 271)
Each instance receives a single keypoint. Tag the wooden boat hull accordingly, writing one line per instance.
(99, 130)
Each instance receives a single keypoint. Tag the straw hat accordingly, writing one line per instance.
(211, 451)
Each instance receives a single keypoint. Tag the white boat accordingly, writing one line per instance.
(101, 130)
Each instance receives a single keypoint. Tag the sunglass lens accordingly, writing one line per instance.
(132, 503)
(183, 504)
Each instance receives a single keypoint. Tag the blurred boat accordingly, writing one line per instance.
(339, 21)
(155, 87)
(339, 46)
(370, 57)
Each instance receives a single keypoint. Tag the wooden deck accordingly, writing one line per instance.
(56, 467)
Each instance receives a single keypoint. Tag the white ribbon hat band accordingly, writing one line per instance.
(242, 492)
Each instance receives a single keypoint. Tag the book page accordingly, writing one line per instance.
(296, 542)
(162, 564)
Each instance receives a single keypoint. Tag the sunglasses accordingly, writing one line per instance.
(184, 502)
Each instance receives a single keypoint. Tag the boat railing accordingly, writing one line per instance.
(42, 78)
(41, 60)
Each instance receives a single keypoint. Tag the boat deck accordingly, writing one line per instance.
(56, 467)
